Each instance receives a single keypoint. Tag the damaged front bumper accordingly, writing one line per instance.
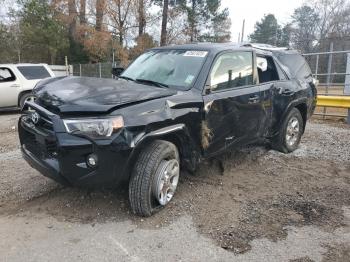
(64, 157)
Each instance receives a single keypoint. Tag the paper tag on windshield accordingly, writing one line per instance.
(196, 53)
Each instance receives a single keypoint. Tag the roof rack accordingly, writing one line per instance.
(265, 47)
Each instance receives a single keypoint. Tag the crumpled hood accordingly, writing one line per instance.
(87, 94)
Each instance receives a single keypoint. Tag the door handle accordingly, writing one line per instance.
(14, 85)
(287, 92)
(254, 99)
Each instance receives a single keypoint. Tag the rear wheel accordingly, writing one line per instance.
(26, 97)
(290, 132)
(154, 178)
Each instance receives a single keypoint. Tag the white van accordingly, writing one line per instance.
(17, 82)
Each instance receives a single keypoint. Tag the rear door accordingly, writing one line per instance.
(233, 107)
(9, 87)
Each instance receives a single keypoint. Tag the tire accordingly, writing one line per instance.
(26, 97)
(150, 178)
(288, 141)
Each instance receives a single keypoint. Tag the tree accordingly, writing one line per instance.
(141, 17)
(204, 18)
(166, 7)
(176, 31)
(143, 42)
(266, 31)
(9, 49)
(82, 12)
(284, 37)
(43, 35)
(305, 22)
(118, 13)
(316, 23)
(163, 35)
(219, 30)
(100, 8)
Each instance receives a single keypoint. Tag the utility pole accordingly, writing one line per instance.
(242, 36)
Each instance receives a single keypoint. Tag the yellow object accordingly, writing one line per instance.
(334, 101)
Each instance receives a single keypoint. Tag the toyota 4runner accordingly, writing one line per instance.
(171, 108)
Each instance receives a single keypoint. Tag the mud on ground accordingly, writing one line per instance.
(236, 200)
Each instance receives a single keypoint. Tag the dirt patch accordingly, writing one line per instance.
(338, 253)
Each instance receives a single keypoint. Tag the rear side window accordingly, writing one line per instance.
(6, 75)
(34, 72)
(267, 70)
(231, 70)
(296, 64)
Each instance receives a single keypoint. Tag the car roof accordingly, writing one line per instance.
(24, 64)
(262, 49)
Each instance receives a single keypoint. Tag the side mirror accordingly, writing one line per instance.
(117, 71)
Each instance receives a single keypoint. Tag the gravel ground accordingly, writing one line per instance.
(253, 204)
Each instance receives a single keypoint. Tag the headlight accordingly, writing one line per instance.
(101, 127)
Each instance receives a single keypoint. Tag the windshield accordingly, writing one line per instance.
(173, 68)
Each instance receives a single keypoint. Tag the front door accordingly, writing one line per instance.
(9, 88)
(233, 109)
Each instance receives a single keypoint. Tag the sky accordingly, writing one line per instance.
(254, 10)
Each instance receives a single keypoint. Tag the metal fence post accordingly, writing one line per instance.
(347, 82)
(66, 64)
(316, 70)
(79, 69)
(329, 70)
(99, 68)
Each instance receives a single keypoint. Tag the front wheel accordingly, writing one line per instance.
(26, 97)
(154, 178)
(290, 132)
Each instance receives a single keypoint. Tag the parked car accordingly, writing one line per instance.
(170, 109)
(17, 82)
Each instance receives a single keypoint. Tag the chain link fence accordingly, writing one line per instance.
(100, 70)
(332, 70)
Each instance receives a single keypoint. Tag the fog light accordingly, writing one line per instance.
(92, 160)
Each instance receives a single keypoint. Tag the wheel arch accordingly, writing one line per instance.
(176, 134)
(301, 105)
(28, 91)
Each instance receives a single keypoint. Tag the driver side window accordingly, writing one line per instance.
(232, 70)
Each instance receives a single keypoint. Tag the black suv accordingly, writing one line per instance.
(171, 108)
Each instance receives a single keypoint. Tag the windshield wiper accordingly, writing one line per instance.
(126, 78)
(155, 83)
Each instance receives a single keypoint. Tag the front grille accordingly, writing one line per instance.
(47, 148)
(38, 134)
(29, 140)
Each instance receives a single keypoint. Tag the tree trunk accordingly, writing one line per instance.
(72, 13)
(100, 6)
(163, 35)
(82, 15)
(192, 20)
(142, 20)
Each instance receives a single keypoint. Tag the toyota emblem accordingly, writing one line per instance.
(35, 117)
